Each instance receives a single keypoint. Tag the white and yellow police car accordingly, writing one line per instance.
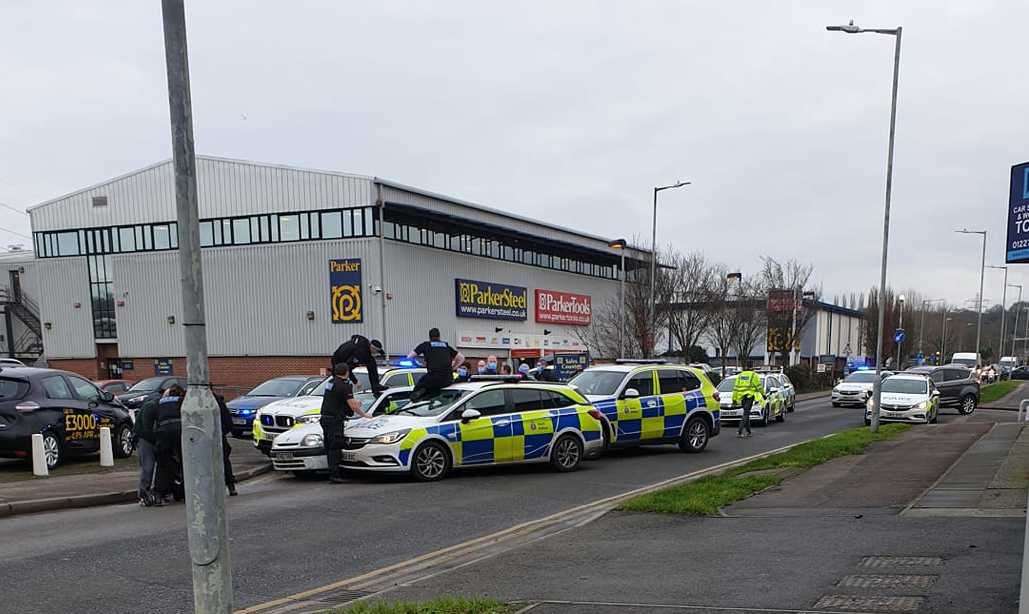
(650, 402)
(772, 405)
(485, 422)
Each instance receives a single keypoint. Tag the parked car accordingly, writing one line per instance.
(10, 362)
(773, 406)
(969, 360)
(712, 374)
(114, 386)
(148, 389)
(856, 388)
(907, 397)
(648, 402)
(65, 408)
(244, 408)
(957, 385)
(1021, 373)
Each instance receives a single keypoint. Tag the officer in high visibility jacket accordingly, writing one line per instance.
(745, 392)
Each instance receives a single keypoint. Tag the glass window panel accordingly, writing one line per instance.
(289, 227)
(265, 234)
(82, 241)
(216, 227)
(227, 232)
(174, 235)
(206, 234)
(138, 230)
(305, 226)
(240, 231)
(162, 236)
(115, 245)
(275, 228)
(51, 244)
(128, 239)
(359, 222)
(255, 230)
(68, 243)
(90, 247)
(348, 223)
(332, 225)
(148, 237)
(390, 230)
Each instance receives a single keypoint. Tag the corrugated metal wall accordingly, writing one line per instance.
(61, 283)
(225, 188)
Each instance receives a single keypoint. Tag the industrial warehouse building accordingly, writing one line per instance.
(295, 261)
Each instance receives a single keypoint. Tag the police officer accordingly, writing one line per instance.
(226, 419)
(360, 351)
(338, 404)
(168, 434)
(745, 391)
(440, 362)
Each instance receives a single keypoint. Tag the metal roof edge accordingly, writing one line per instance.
(97, 185)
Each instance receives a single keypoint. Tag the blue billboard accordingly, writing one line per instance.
(491, 301)
(1017, 249)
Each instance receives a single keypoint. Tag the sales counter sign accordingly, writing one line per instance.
(345, 290)
(1018, 216)
(490, 301)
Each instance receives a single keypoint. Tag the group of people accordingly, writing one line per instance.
(158, 438)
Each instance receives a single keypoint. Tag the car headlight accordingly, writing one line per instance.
(922, 405)
(390, 438)
(311, 441)
(309, 419)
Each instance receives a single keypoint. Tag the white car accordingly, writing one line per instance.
(856, 389)
(907, 397)
(300, 449)
(773, 407)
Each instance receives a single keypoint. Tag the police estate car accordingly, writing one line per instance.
(649, 402)
(772, 405)
(476, 423)
(907, 397)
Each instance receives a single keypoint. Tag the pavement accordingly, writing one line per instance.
(101, 487)
(1009, 401)
(289, 535)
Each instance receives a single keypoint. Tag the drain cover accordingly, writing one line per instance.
(341, 596)
(901, 561)
(888, 581)
(872, 603)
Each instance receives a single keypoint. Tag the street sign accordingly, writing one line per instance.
(827, 359)
(821, 367)
(899, 336)
(1017, 249)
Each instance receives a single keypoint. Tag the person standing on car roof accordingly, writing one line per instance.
(360, 351)
(745, 391)
(338, 405)
(440, 362)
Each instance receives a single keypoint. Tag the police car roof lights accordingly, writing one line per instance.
(641, 361)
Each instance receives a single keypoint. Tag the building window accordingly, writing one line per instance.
(241, 231)
(162, 237)
(289, 227)
(68, 244)
(332, 225)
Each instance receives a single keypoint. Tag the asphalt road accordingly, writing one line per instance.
(289, 535)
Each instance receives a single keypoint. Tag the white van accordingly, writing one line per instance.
(969, 360)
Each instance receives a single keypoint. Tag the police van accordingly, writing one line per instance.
(649, 402)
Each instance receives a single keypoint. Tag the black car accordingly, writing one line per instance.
(1020, 373)
(149, 389)
(957, 385)
(68, 410)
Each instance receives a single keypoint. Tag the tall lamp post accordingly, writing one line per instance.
(982, 279)
(1003, 310)
(943, 341)
(1014, 328)
(895, 32)
(653, 256)
(620, 244)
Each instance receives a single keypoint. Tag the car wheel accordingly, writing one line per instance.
(123, 446)
(936, 417)
(430, 462)
(792, 407)
(53, 451)
(764, 418)
(695, 436)
(566, 453)
(835, 404)
(967, 404)
(781, 417)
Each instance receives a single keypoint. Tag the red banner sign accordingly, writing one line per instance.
(555, 307)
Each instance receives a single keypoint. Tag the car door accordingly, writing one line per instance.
(80, 425)
(673, 386)
(475, 445)
(106, 414)
(532, 427)
(953, 381)
(632, 411)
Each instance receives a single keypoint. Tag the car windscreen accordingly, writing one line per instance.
(599, 383)
(727, 384)
(12, 389)
(366, 399)
(903, 385)
(282, 387)
(447, 399)
(862, 377)
(964, 362)
(147, 385)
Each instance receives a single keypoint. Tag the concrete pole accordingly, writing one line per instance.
(943, 342)
(1014, 328)
(1003, 315)
(621, 310)
(201, 420)
(652, 322)
(382, 259)
(979, 320)
(877, 385)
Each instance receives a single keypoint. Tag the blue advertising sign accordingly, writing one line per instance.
(1018, 215)
(163, 366)
(345, 290)
(569, 365)
(490, 301)
(899, 336)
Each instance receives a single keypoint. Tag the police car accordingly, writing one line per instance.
(907, 397)
(485, 422)
(649, 402)
(772, 407)
(276, 418)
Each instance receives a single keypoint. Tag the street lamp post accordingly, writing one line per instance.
(982, 279)
(620, 244)
(943, 339)
(896, 33)
(1003, 310)
(653, 257)
(1014, 329)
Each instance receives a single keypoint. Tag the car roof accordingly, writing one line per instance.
(471, 386)
(909, 375)
(28, 372)
(630, 367)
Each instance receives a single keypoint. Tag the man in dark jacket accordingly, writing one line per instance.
(146, 445)
(226, 415)
(338, 405)
(168, 435)
(360, 351)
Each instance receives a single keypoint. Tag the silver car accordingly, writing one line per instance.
(855, 389)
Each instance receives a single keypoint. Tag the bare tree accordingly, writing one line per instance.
(751, 317)
(793, 279)
(693, 288)
(722, 323)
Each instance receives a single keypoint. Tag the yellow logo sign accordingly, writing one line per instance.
(345, 290)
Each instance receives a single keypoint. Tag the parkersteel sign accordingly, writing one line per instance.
(556, 307)
(490, 301)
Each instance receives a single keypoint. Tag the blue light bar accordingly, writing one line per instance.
(406, 363)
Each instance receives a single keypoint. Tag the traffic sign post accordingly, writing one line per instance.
(899, 336)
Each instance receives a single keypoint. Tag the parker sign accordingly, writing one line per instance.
(555, 307)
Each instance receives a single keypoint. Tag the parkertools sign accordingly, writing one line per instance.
(556, 307)
(490, 301)
(345, 290)
(1018, 215)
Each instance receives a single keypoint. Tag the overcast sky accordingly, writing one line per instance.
(566, 111)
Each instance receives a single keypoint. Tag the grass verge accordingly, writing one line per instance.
(704, 497)
(995, 392)
(443, 605)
